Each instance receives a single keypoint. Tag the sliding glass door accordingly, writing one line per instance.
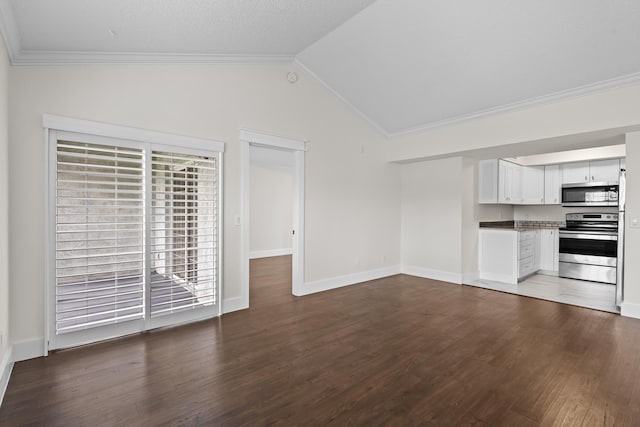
(134, 231)
(184, 232)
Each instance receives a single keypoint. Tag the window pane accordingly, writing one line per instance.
(99, 235)
(183, 232)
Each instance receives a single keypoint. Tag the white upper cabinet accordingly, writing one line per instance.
(576, 172)
(552, 185)
(509, 183)
(488, 181)
(532, 185)
(594, 171)
(605, 171)
(500, 181)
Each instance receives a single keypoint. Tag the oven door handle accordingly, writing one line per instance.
(588, 236)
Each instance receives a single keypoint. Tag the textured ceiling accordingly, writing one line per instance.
(404, 65)
(411, 64)
(220, 27)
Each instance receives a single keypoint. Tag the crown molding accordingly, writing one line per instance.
(589, 89)
(352, 107)
(74, 58)
(19, 56)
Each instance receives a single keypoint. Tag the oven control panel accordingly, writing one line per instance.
(592, 217)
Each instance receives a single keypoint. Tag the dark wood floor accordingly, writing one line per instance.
(396, 351)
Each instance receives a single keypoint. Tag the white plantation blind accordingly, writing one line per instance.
(184, 227)
(99, 235)
(133, 221)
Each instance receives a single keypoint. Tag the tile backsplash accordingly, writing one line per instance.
(541, 224)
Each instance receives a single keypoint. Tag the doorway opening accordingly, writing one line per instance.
(272, 218)
(271, 225)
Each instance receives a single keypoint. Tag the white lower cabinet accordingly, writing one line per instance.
(508, 255)
(528, 252)
(549, 242)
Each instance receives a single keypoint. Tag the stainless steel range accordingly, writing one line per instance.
(589, 247)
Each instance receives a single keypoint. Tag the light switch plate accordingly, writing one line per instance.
(634, 223)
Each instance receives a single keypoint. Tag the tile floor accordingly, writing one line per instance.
(598, 296)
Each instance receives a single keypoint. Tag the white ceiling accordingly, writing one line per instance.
(404, 65)
(236, 28)
(409, 64)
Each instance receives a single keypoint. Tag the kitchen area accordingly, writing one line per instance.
(565, 242)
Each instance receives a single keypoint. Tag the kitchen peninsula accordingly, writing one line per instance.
(509, 251)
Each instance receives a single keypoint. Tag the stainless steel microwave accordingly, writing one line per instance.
(590, 194)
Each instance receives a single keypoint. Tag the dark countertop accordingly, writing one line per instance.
(521, 225)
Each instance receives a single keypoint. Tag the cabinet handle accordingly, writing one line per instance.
(593, 178)
(586, 178)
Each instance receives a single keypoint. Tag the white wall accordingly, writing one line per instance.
(631, 304)
(440, 217)
(607, 152)
(352, 195)
(514, 130)
(4, 208)
(431, 219)
(271, 208)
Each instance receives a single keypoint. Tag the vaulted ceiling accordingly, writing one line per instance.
(404, 65)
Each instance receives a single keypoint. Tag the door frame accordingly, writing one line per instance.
(248, 139)
(55, 126)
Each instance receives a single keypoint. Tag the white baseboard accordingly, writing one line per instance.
(470, 277)
(428, 273)
(348, 279)
(270, 253)
(630, 310)
(234, 304)
(504, 278)
(29, 349)
(6, 366)
(548, 272)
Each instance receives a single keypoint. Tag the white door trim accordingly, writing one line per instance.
(248, 139)
(57, 127)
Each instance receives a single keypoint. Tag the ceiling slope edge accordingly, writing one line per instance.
(9, 30)
(337, 94)
(589, 89)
